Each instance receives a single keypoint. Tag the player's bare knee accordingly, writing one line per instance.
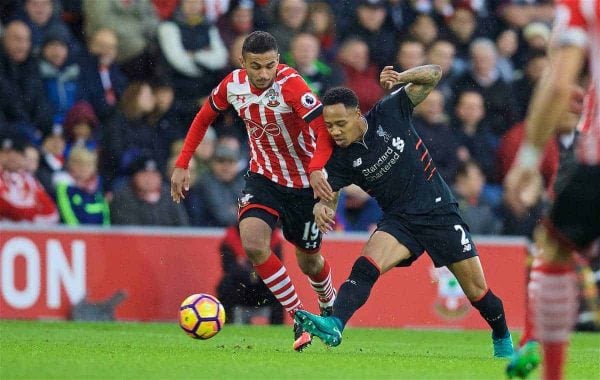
(475, 291)
(310, 264)
(256, 248)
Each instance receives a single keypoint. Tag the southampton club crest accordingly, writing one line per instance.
(272, 98)
(451, 302)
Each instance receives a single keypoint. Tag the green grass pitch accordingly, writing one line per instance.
(68, 350)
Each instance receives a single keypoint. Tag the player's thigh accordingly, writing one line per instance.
(469, 274)
(575, 216)
(385, 250)
(298, 221)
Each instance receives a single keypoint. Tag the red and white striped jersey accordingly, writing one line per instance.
(578, 23)
(276, 119)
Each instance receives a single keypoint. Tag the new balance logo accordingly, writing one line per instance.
(356, 163)
(398, 143)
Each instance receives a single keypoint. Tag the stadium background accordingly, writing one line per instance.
(493, 51)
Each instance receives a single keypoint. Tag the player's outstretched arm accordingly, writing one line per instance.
(550, 100)
(180, 180)
(421, 80)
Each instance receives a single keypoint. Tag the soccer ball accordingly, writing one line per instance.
(201, 316)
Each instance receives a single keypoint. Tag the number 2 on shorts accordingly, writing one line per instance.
(463, 235)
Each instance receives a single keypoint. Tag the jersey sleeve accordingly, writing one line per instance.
(398, 100)
(570, 25)
(298, 95)
(218, 97)
(324, 146)
(338, 175)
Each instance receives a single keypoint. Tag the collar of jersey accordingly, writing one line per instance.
(258, 91)
(362, 142)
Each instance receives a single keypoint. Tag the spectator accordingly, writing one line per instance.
(411, 53)
(30, 111)
(167, 118)
(304, 57)
(42, 18)
(202, 155)
(517, 14)
(228, 122)
(461, 29)
(235, 54)
(370, 26)
(215, 9)
(130, 133)
(135, 23)
(321, 24)
(357, 211)
(536, 36)
(424, 29)
(22, 197)
(32, 159)
(102, 83)
(442, 53)
(507, 44)
(535, 39)
(535, 65)
(474, 208)
(238, 21)
(473, 135)
(81, 128)
(241, 290)
(80, 199)
(290, 20)
(60, 74)
(145, 200)
(485, 78)
(193, 51)
(52, 164)
(401, 14)
(359, 74)
(432, 125)
(218, 189)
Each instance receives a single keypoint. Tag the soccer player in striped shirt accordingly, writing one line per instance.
(574, 220)
(283, 120)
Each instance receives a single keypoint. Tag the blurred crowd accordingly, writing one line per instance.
(97, 95)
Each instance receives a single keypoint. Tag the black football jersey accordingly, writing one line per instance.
(392, 163)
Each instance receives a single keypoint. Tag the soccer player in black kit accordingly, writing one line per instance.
(382, 153)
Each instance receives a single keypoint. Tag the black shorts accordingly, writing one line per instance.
(575, 215)
(442, 233)
(293, 206)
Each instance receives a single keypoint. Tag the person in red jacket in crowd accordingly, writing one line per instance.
(22, 197)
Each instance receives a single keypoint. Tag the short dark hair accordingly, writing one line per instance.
(342, 95)
(259, 42)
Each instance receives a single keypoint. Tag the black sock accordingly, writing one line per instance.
(355, 291)
(491, 309)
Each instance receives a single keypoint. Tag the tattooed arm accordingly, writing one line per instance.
(421, 80)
